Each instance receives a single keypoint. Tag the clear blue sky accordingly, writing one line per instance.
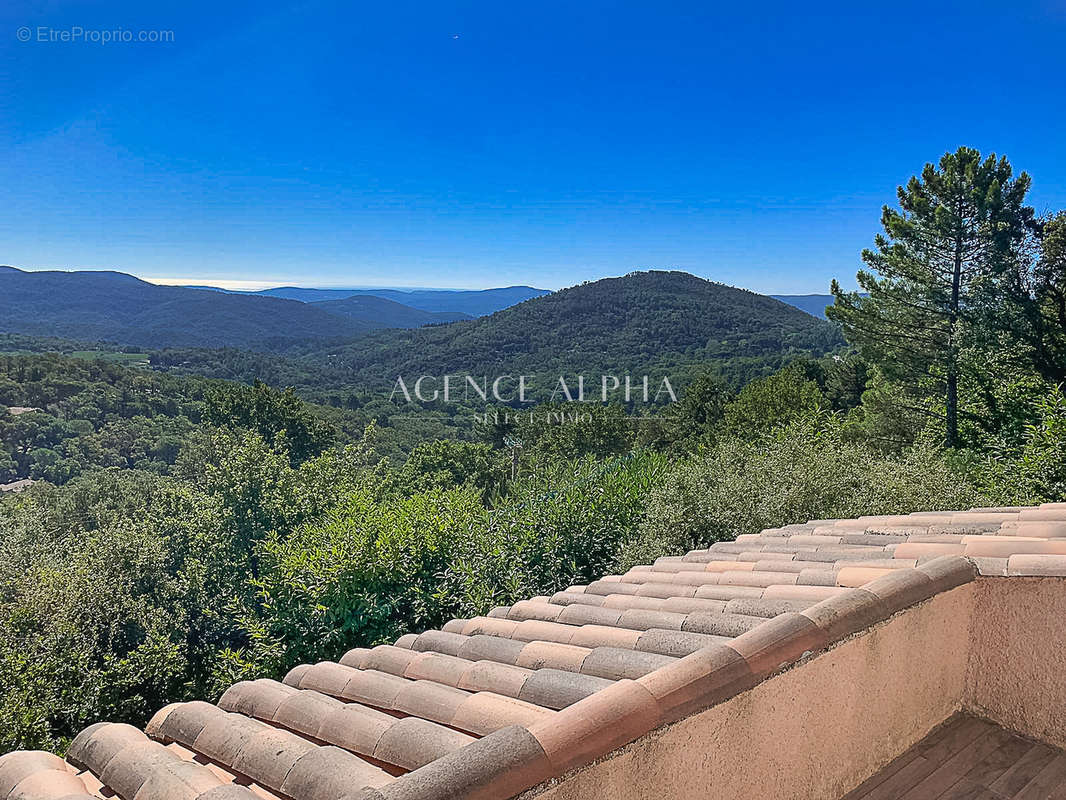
(483, 144)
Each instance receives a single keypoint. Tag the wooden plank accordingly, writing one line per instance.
(950, 772)
(991, 768)
(1048, 780)
(968, 790)
(945, 728)
(905, 779)
(968, 730)
(863, 789)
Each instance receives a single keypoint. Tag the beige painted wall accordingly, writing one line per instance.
(813, 732)
(1017, 674)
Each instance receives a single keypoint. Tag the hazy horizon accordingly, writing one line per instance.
(255, 286)
(499, 144)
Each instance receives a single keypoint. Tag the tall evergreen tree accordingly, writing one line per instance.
(1047, 301)
(952, 241)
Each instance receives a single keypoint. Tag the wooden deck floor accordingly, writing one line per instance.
(970, 759)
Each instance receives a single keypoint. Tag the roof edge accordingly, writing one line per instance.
(517, 758)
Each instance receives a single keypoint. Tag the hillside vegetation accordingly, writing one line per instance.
(378, 312)
(658, 323)
(115, 307)
(245, 531)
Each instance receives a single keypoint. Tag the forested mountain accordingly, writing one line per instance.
(117, 307)
(381, 313)
(642, 323)
(113, 306)
(475, 303)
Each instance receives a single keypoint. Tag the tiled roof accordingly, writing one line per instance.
(491, 706)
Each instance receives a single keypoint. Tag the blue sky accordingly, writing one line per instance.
(469, 144)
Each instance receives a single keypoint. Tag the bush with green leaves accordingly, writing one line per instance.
(805, 470)
(270, 413)
(561, 525)
(1034, 469)
(372, 569)
(123, 590)
(449, 464)
(774, 400)
(383, 563)
(105, 603)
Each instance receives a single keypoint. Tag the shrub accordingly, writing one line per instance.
(449, 464)
(805, 470)
(372, 569)
(1033, 471)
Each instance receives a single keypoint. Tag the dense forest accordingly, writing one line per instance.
(642, 323)
(187, 531)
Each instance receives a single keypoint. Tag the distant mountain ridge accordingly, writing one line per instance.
(474, 302)
(114, 306)
(374, 310)
(639, 322)
(813, 304)
(468, 302)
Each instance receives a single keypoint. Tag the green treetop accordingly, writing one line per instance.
(945, 254)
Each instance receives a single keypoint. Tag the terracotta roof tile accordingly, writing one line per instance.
(384, 658)
(131, 766)
(901, 588)
(720, 624)
(675, 643)
(580, 614)
(598, 724)
(642, 619)
(51, 783)
(846, 614)
(779, 641)
(1052, 565)
(757, 607)
(488, 706)
(729, 592)
(691, 605)
(480, 647)
(491, 676)
(604, 636)
(22, 774)
(356, 727)
(429, 700)
(95, 746)
(411, 743)
(484, 712)
(537, 655)
(222, 738)
(698, 681)
(181, 780)
(329, 773)
(489, 626)
(447, 670)
(616, 664)
(555, 689)
(268, 755)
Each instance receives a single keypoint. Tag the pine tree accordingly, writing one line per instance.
(947, 249)
(1048, 301)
